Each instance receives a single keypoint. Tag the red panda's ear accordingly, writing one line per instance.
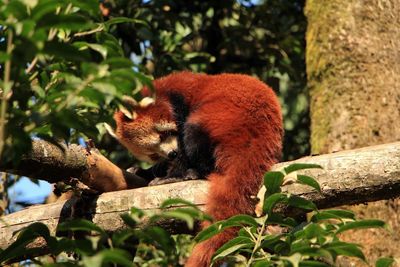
(129, 115)
(130, 101)
(110, 130)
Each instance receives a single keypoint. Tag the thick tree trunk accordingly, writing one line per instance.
(354, 176)
(353, 68)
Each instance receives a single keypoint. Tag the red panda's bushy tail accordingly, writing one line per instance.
(231, 192)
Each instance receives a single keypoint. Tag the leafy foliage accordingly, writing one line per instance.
(276, 239)
(142, 243)
(63, 72)
(273, 239)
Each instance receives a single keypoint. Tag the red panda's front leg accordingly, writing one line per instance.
(195, 156)
(190, 174)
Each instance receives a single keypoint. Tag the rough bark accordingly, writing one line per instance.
(59, 162)
(353, 69)
(355, 176)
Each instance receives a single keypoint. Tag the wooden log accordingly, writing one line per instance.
(348, 177)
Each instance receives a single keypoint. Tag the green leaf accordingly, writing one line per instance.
(273, 182)
(25, 236)
(119, 63)
(176, 202)
(28, 28)
(102, 50)
(4, 57)
(183, 214)
(119, 238)
(127, 74)
(275, 218)
(65, 22)
(232, 246)
(308, 180)
(137, 212)
(129, 220)
(384, 262)
(45, 7)
(310, 231)
(112, 256)
(270, 241)
(272, 200)
(90, 6)
(345, 249)
(94, 97)
(310, 263)
(300, 166)
(361, 225)
(209, 232)
(158, 237)
(241, 220)
(332, 214)
(262, 263)
(15, 9)
(294, 259)
(118, 20)
(313, 252)
(299, 202)
(98, 48)
(215, 228)
(79, 225)
(64, 51)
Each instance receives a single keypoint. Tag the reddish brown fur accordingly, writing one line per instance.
(243, 118)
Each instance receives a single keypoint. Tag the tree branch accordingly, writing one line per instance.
(59, 162)
(348, 177)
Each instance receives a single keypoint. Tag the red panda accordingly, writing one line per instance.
(226, 128)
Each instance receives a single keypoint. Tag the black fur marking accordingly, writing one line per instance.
(196, 150)
(199, 149)
(181, 110)
(158, 170)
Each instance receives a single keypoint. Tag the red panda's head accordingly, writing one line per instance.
(148, 130)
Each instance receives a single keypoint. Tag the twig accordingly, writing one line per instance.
(98, 29)
(31, 65)
(6, 90)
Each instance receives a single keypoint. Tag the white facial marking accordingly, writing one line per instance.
(170, 144)
(151, 140)
(130, 101)
(165, 126)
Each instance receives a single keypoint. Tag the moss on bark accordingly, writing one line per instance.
(353, 69)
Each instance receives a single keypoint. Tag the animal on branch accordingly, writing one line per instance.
(226, 128)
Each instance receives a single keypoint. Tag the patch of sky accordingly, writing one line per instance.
(25, 192)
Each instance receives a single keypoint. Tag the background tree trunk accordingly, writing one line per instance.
(353, 69)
